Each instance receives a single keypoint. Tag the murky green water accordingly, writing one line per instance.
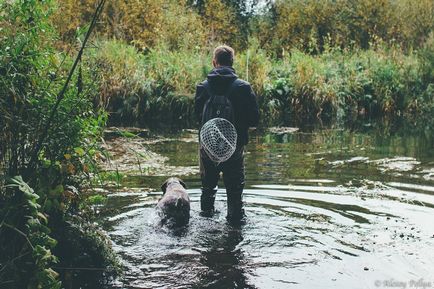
(326, 209)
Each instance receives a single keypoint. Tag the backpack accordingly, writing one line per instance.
(218, 106)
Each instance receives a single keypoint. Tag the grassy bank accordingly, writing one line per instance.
(339, 84)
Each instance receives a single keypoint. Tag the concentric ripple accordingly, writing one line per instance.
(295, 235)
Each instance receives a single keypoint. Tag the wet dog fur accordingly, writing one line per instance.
(174, 205)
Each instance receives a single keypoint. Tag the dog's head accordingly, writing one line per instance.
(170, 181)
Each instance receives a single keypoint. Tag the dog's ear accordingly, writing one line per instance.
(164, 187)
(182, 184)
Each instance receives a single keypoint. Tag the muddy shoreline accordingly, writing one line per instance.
(130, 151)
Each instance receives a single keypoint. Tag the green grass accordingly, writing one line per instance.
(342, 85)
(338, 85)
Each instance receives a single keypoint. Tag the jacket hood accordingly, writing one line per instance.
(220, 78)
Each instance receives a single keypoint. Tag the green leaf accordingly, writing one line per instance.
(127, 134)
(51, 242)
(53, 274)
(48, 205)
(43, 217)
(79, 151)
(18, 181)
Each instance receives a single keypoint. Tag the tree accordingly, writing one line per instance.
(144, 23)
(221, 21)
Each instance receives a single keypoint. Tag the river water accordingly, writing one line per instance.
(326, 209)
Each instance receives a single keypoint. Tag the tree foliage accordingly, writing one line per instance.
(282, 24)
(221, 21)
(310, 25)
(143, 23)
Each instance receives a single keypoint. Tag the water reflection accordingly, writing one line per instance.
(224, 261)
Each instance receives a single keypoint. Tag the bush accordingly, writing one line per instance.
(46, 150)
(343, 85)
(136, 87)
(254, 66)
(122, 80)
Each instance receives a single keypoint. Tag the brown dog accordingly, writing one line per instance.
(174, 206)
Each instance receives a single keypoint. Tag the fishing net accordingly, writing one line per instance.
(218, 138)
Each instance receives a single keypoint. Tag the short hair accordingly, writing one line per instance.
(224, 55)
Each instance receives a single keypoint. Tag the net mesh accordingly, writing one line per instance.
(218, 138)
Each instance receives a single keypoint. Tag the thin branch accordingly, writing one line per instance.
(13, 260)
(40, 143)
(20, 233)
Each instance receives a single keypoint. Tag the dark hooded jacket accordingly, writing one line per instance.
(242, 97)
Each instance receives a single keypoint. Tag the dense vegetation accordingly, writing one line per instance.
(343, 85)
(278, 25)
(309, 61)
(48, 142)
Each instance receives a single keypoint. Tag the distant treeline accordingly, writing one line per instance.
(309, 25)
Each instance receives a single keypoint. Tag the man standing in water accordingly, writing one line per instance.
(222, 80)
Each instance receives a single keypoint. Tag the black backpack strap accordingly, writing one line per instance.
(228, 91)
(207, 88)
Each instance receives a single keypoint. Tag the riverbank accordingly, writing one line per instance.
(339, 85)
(127, 152)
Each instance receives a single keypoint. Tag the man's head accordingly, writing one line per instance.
(223, 56)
